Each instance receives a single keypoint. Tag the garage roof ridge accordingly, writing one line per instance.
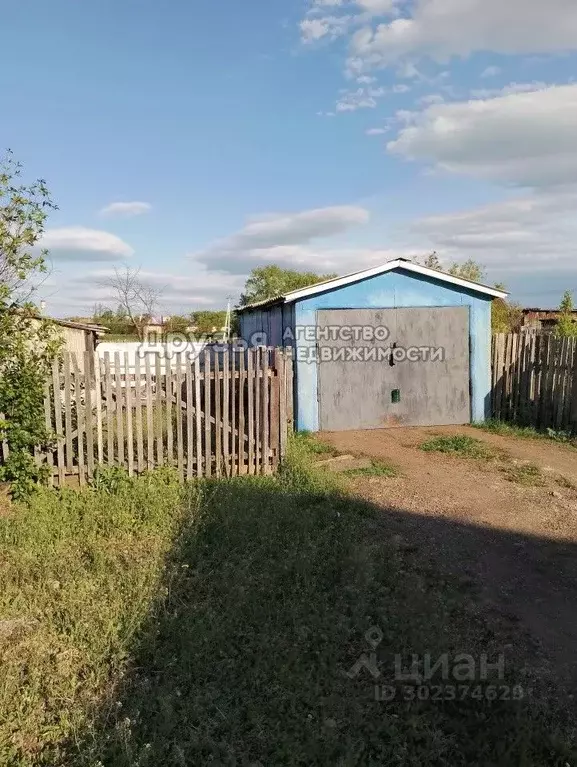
(397, 263)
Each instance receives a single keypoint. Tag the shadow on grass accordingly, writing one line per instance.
(249, 654)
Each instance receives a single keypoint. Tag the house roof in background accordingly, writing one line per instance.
(349, 279)
(94, 328)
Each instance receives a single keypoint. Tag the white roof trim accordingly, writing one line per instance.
(398, 263)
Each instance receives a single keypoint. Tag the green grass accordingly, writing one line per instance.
(527, 474)
(313, 445)
(460, 445)
(145, 623)
(506, 429)
(376, 469)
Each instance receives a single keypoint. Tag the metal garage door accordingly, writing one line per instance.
(393, 367)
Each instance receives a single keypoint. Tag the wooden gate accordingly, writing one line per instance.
(225, 412)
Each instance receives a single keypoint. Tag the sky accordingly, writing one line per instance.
(198, 139)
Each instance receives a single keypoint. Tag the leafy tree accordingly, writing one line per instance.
(116, 320)
(505, 316)
(177, 324)
(208, 321)
(28, 345)
(270, 281)
(567, 324)
(469, 270)
(432, 261)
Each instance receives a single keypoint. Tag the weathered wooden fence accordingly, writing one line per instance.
(224, 413)
(535, 380)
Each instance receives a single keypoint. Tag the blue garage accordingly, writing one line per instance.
(394, 345)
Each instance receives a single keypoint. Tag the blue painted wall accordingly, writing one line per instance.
(391, 290)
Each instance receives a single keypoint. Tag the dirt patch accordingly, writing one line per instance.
(513, 540)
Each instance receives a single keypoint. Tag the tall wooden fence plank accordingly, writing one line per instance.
(119, 409)
(159, 410)
(58, 423)
(178, 417)
(149, 415)
(189, 418)
(207, 413)
(198, 417)
(90, 424)
(68, 413)
(98, 408)
(138, 415)
(128, 401)
(242, 401)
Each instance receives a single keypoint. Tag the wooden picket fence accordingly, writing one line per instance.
(226, 412)
(535, 380)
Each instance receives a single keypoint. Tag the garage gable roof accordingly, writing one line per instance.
(348, 279)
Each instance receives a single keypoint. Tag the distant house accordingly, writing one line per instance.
(541, 319)
(154, 328)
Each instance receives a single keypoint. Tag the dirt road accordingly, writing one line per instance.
(516, 541)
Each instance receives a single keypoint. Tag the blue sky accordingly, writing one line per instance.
(198, 140)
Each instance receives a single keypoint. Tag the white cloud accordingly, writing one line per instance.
(77, 243)
(279, 237)
(533, 233)
(431, 98)
(377, 7)
(491, 72)
(198, 289)
(524, 139)
(125, 209)
(328, 26)
(486, 93)
(441, 29)
(361, 98)
(314, 27)
(375, 131)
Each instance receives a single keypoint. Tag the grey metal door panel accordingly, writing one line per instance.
(353, 394)
(433, 389)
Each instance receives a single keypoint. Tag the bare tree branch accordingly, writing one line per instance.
(137, 298)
